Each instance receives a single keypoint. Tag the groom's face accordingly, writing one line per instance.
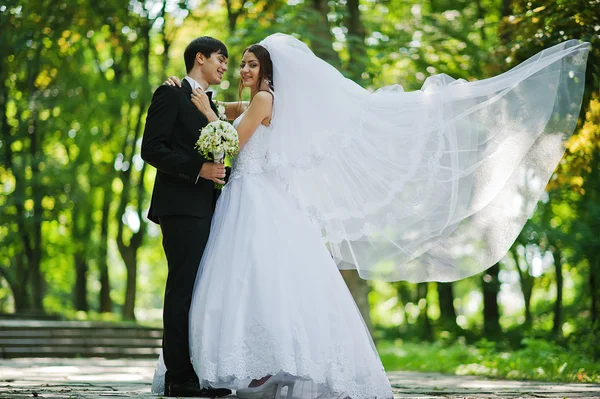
(213, 67)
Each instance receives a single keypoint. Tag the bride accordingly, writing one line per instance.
(431, 185)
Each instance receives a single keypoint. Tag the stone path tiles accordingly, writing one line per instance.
(81, 378)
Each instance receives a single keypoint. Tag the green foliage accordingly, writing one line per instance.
(536, 360)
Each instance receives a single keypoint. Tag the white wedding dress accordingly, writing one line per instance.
(269, 296)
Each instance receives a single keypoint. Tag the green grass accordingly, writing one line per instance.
(537, 360)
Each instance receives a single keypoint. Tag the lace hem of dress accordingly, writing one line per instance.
(260, 353)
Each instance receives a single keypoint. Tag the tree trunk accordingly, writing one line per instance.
(129, 251)
(23, 261)
(104, 299)
(80, 232)
(166, 42)
(557, 325)
(424, 320)
(491, 312)
(446, 302)
(130, 258)
(356, 43)
(506, 9)
(130, 254)
(37, 289)
(35, 260)
(16, 279)
(594, 288)
(233, 15)
(322, 39)
(80, 291)
(526, 281)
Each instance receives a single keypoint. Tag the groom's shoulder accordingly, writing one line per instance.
(168, 92)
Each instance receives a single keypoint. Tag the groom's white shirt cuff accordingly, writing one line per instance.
(195, 85)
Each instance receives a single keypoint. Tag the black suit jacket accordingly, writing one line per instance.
(172, 127)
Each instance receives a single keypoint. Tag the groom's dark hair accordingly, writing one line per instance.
(207, 46)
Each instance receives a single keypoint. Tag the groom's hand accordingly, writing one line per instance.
(213, 171)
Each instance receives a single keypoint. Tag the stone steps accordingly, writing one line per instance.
(40, 338)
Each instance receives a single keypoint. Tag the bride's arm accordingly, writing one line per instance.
(259, 110)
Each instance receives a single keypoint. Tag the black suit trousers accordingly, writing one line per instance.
(184, 240)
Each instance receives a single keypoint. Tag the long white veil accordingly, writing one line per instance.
(430, 185)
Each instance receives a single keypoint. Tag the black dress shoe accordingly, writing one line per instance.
(191, 388)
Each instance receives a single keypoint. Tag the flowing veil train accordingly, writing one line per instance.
(430, 185)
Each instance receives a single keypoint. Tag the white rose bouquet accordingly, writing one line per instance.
(217, 139)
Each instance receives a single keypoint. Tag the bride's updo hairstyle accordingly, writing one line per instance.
(266, 66)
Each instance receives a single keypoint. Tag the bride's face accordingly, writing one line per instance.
(249, 70)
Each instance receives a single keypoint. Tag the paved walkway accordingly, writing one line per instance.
(131, 378)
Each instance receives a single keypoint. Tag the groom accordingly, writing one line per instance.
(183, 201)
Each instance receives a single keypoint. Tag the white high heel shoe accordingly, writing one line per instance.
(270, 389)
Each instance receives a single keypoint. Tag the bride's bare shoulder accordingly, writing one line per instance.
(264, 96)
(262, 104)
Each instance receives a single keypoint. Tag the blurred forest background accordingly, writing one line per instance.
(76, 79)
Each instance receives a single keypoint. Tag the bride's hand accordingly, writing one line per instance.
(201, 101)
(173, 81)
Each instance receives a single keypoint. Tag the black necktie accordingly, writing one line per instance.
(209, 94)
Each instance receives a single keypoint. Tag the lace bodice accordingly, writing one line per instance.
(252, 156)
